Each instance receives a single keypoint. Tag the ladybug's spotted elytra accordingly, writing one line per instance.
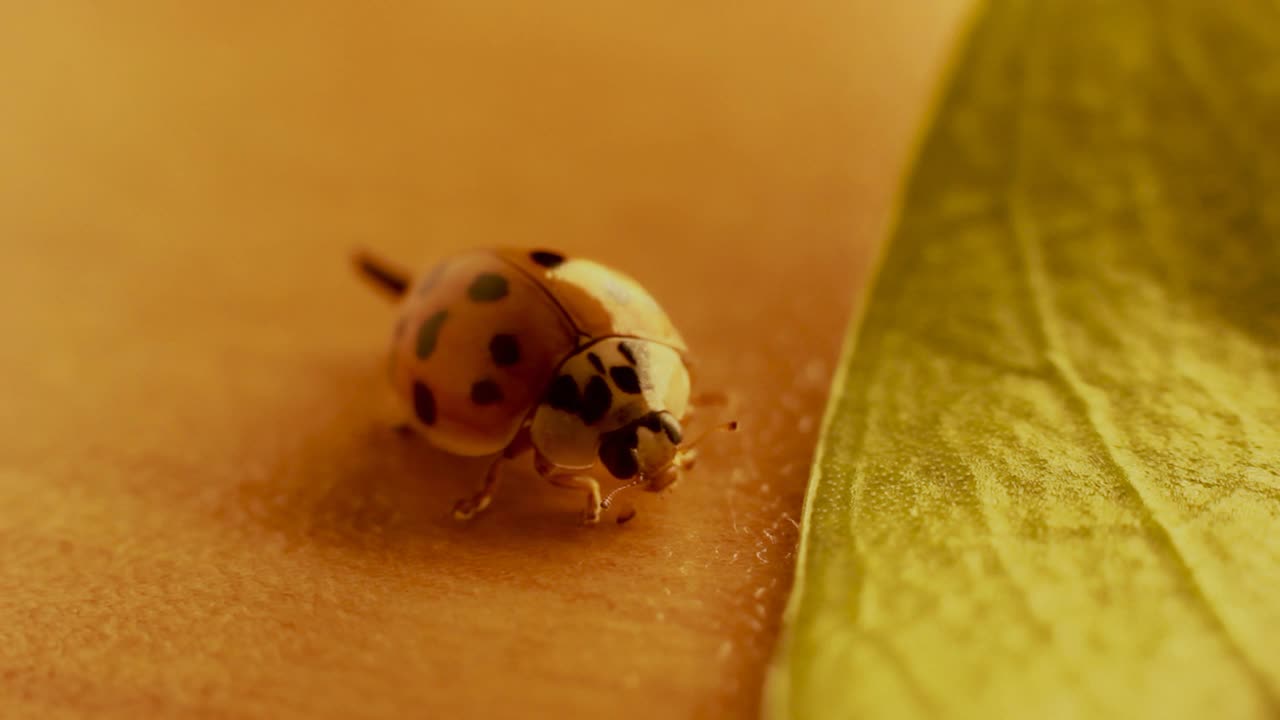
(509, 351)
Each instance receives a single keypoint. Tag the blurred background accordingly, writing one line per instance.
(202, 507)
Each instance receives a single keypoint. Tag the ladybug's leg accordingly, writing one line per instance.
(569, 481)
(467, 508)
(572, 481)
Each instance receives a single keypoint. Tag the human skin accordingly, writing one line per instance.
(203, 506)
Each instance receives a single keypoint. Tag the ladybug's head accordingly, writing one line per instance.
(616, 402)
(643, 448)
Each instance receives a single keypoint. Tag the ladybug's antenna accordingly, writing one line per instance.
(385, 276)
(731, 426)
(604, 504)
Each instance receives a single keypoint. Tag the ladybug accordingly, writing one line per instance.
(509, 351)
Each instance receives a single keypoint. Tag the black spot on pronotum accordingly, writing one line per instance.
(546, 258)
(627, 352)
(505, 350)
(596, 399)
(563, 394)
(488, 287)
(595, 362)
(626, 379)
(486, 392)
(424, 404)
(618, 452)
(428, 334)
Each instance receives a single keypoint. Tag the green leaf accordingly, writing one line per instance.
(1049, 480)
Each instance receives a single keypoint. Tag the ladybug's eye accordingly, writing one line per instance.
(671, 427)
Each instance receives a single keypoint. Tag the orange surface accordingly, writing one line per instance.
(203, 511)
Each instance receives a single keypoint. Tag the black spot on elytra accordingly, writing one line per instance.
(626, 379)
(563, 394)
(505, 350)
(595, 362)
(429, 332)
(627, 352)
(596, 400)
(546, 258)
(486, 392)
(424, 404)
(488, 287)
(618, 452)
